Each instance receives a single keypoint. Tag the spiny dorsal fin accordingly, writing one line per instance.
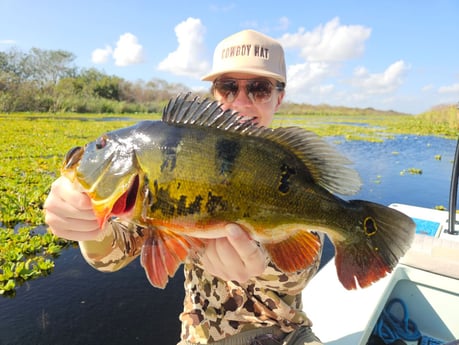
(205, 113)
(327, 166)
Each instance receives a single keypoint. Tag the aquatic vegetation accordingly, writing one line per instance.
(24, 255)
(377, 180)
(412, 171)
(376, 127)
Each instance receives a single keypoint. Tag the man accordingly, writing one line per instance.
(233, 293)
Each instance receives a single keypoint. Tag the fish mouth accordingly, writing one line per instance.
(126, 201)
(73, 156)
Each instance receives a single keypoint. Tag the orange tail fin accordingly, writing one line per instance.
(162, 254)
(369, 254)
(296, 252)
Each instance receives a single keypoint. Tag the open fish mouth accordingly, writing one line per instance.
(126, 201)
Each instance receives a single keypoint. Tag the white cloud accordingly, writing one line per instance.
(100, 56)
(329, 42)
(321, 75)
(307, 75)
(128, 51)
(449, 89)
(380, 83)
(7, 42)
(188, 59)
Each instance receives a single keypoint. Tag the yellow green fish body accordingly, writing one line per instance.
(185, 177)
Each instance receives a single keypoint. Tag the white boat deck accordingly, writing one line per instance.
(343, 317)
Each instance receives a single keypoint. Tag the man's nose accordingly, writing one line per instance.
(242, 97)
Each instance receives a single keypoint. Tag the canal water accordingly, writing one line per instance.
(79, 305)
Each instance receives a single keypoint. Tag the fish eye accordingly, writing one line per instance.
(101, 142)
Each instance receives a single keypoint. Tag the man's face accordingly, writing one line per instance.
(244, 103)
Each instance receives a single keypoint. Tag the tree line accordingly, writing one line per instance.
(48, 81)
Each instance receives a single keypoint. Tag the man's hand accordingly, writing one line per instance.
(235, 257)
(69, 213)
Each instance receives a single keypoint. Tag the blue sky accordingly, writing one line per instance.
(395, 54)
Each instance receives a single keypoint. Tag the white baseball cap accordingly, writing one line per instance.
(249, 51)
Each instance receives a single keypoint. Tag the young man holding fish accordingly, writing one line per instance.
(235, 293)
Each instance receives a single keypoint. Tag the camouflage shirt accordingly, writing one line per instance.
(215, 309)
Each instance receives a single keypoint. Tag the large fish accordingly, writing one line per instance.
(180, 180)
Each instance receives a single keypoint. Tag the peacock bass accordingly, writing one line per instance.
(180, 180)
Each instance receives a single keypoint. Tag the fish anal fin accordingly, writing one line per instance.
(296, 252)
(358, 266)
(163, 252)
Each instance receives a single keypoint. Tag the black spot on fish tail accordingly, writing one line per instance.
(226, 153)
(215, 204)
(284, 183)
(370, 227)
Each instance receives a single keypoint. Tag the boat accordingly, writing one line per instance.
(418, 303)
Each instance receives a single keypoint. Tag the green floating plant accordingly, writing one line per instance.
(24, 255)
(412, 171)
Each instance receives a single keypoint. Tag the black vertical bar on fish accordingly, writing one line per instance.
(453, 192)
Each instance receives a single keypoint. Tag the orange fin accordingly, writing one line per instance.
(384, 236)
(163, 252)
(296, 252)
(361, 266)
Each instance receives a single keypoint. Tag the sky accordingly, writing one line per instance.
(400, 55)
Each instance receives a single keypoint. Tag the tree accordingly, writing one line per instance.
(48, 66)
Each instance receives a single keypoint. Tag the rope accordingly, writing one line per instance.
(391, 328)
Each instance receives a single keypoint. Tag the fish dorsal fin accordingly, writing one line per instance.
(205, 113)
(327, 166)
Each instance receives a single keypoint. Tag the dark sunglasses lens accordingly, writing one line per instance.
(227, 88)
(260, 90)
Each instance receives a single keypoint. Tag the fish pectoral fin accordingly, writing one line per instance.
(296, 252)
(163, 252)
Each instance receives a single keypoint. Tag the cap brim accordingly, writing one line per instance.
(254, 71)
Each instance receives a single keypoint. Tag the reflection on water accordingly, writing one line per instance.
(79, 305)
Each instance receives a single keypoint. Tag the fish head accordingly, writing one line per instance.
(107, 171)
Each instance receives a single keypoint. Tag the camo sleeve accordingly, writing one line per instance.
(118, 245)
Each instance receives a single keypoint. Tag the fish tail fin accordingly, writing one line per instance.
(296, 252)
(384, 235)
(162, 254)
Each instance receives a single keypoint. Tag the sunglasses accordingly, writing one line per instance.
(257, 90)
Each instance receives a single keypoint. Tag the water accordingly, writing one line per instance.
(79, 305)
